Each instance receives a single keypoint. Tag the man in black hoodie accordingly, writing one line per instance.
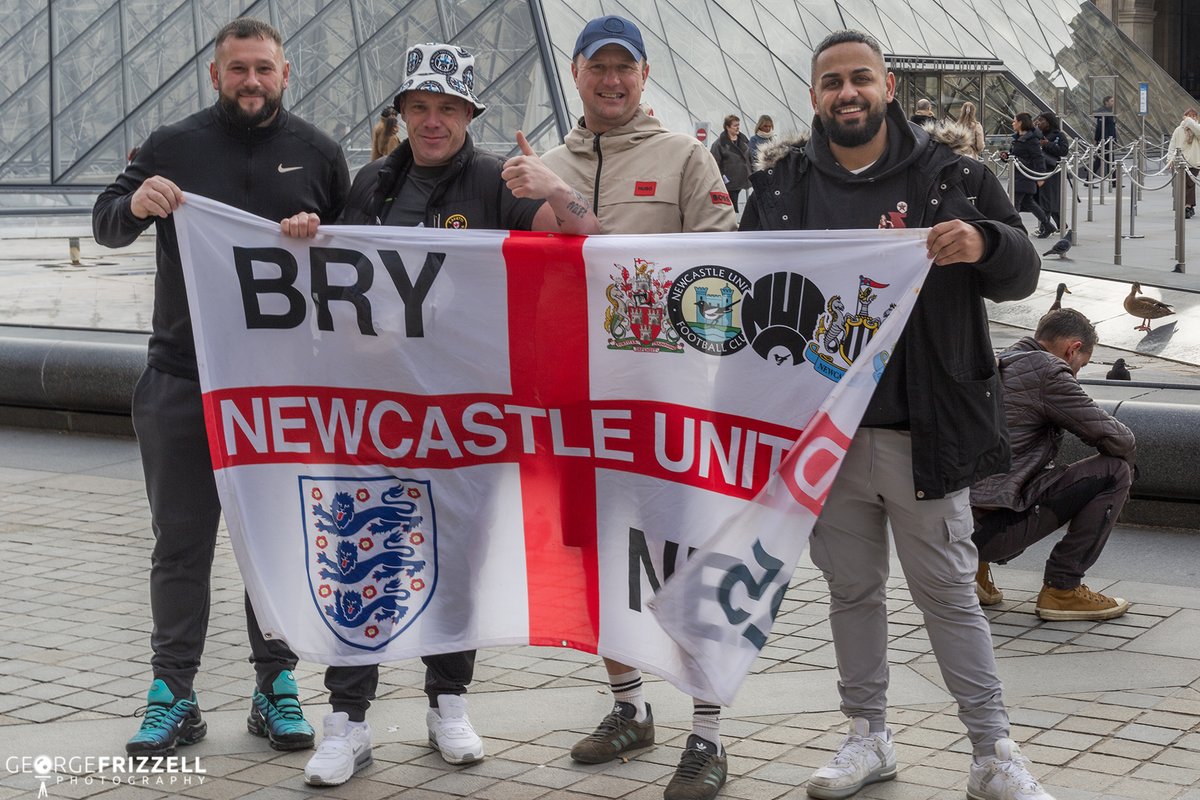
(934, 425)
(248, 152)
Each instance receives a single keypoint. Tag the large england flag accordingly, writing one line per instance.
(429, 440)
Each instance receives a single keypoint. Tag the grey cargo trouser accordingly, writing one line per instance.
(168, 417)
(933, 541)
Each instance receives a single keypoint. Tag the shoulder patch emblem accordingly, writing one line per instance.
(720, 198)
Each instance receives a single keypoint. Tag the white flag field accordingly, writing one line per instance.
(428, 440)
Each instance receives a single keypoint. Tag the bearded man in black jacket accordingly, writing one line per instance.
(248, 152)
(934, 425)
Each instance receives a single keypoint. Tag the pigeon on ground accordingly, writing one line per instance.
(1119, 371)
(1060, 247)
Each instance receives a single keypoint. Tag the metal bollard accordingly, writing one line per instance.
(1180, 260)
(1091, 187)
(1075, 212)
(1117, 215)
(73, 249)
(1133, 193)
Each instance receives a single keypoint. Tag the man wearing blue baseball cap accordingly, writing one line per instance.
(640, 178)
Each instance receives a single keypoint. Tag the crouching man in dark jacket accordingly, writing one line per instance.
(1032, 500)
(934, 425)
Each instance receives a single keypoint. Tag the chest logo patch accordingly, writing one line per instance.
(895, 219)
(645, 188)
(456, 222)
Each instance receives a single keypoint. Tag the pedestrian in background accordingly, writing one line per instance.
(384, 136)
(1026, 150)
(764, 133)
(1055, 146)
(924, 113)
(732, 152)
(1186, 140)
(974, 130)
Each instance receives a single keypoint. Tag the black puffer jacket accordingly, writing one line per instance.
(953, 389)
(1041, 400)
(469, 194)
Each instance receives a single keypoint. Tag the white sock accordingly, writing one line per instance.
(706, 722)
(627, 688)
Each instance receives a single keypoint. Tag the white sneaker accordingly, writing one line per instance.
(863, 758)
(1004, 776)
(343, 751)
(450, 731)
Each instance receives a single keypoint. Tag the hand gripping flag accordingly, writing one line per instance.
(428, 440)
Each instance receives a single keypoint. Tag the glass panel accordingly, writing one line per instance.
(509, 102)
(18, 13)
(498, 40)
(820, 18)
(644, 13)
(140, 17)
(25, 114)
(158, 57)
(212, 15)
(292, 15)
(22, 56)
(371, 15)
(321, 48)
(95, 114)
(383, 53)
(102, 162)
(31, 163)
(72, 19)
(783, 36)
(703, 99)
(338, 104)
(173, 102)
(89, 55)
(458, 14)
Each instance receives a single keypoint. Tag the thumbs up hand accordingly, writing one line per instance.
(527, 176)
(565, 210)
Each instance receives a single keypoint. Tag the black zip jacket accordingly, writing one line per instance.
(954, 394)
(469, 194)
(273, 172)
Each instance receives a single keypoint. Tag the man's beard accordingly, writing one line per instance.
(857, 136)
(241, 118)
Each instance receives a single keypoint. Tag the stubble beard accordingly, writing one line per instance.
(846, 136)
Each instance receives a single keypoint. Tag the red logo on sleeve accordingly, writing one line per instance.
(645, 188)
(720, 198)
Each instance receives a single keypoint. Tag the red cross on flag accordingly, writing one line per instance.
(429, 441)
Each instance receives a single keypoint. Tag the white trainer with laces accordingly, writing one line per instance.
(1004, 776)
(450, 731)
(343, 751)
(863, 758)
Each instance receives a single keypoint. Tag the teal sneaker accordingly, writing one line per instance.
(277, 715)
(166, 722)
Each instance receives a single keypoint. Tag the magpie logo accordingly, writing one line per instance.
(283, 169)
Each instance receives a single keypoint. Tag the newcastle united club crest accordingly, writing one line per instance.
(637, 319)
(371, 552)
(839, 337)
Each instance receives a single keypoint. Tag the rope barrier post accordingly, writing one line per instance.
(1012, 181)
(1062, 194)
(1180, 240)
(1105, 167)
(1091, 185)
(1141, 161)
(1134, 188)
(1075, 211)
(1117, 237)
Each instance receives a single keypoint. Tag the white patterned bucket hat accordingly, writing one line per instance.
(440, 68)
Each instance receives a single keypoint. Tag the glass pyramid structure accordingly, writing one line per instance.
(84, 81)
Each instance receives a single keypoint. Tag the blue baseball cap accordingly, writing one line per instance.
(610, 30)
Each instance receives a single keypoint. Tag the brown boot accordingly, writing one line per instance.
(985, 590)
(1080, 603)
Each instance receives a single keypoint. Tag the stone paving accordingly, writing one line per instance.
(1105, 710)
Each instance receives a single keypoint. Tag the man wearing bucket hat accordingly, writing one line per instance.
(436, 177)
(640, 178)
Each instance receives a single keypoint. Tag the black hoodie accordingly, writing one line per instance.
(950, 380)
